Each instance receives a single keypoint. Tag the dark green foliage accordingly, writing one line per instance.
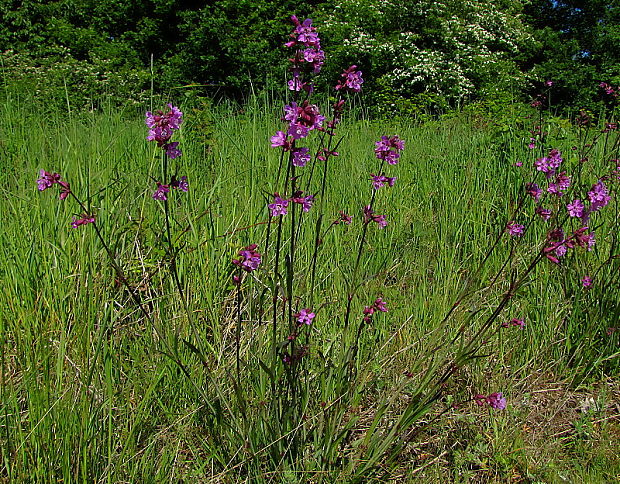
(576, 46)
(418, 57)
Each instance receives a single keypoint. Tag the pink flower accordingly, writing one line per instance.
(575, 208)
(280, 139)
(304, 316)
(494, 400)
(514, 322)
(599, 196)
(278, 207)
(389, 148)
(378, 305)
(83, 220)
(305, 202)
(543, 213)
(249, 259)
(161, 192)
(514, 229)
(370, 216)
(352, 80)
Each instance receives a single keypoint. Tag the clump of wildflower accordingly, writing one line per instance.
(82, 220)
(557, 244)
(543, 213)
(514, 322)
(47, 180)
(352, 80)
(598, 196)
(494, 400)
(379, 181)
(575, 208)
(305, 202)
(533, 190)
(180, 183)
(161, 127)
(389, 148)
(378, 305)
(370, 216)
(279, 206)
(305, 115)
(309, 53)
(249, 258)
(344, 218)
(161, 193)
(304, 316)
(560, 185)
(550, 163)
(301, 156)
(582, 239)
(514, 229)
(586, 282)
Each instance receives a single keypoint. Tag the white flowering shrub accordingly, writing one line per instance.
(446, 51)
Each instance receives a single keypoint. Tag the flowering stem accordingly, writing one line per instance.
(291, 260)
(274, 328)
(352, 286)
(238, 332)
(172, 253)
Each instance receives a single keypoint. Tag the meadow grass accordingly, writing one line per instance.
(92, 390)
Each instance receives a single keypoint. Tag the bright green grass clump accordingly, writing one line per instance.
(89, 390)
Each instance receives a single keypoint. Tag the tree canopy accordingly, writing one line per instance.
(422, 53)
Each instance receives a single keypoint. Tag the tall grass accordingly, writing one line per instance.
(92, 390)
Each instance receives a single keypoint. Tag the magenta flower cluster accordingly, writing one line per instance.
(302, 119)
(304, 316)
(557, 244)
(550, 163)
(351, 80)
(306, 40)
(161, 193)
(514, 322)
(514, 229)
(279, 206)
(48, 180)
(82, 220)
(381, 180)
(370, 216)
(389, 148)
(494, 400)
(161, 128)
(598, 197)
(378, 305)
(249, 258)
(608, 89)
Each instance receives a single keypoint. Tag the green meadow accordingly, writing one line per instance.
(188, 386)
